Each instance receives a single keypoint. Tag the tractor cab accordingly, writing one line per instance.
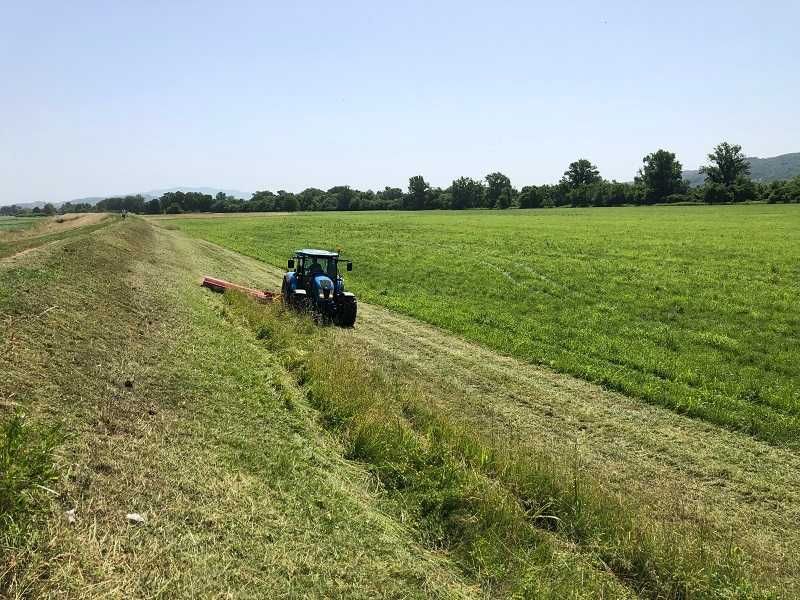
(314, 282)
(316, 262)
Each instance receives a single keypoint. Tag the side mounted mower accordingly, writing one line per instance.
(313, 283)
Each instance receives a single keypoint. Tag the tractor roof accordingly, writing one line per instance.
(320, 253)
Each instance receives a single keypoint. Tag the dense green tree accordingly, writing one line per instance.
(389, 199)
(728, 165)
(783, 191)
(418, 190)
(499, 192)
(344, 196)
(581, 172)
(466, 193)
(152, 206)
(435, 199)
(530, 197)
(286, 201)
(744, 190)
(262, 201)
(130, 203)
(445, 199)
(310, 199)
(660, 176)
(716, 193)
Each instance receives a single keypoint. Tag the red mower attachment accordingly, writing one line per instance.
(220, 285)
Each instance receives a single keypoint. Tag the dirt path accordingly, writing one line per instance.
(683, 467)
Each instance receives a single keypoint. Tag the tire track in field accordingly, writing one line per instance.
(682, 468)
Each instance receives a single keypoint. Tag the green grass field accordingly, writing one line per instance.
(693, 308)
(16, 223)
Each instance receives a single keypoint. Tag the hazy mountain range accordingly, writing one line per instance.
(775, 168)
(148, 195)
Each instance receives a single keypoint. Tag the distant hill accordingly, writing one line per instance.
(775, 168)
(30, 205)
(90, 200)
(148, 195)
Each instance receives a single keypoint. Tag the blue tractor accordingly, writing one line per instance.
(314, 283)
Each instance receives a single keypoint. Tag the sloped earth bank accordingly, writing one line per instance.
(677, 468)
(172, 412)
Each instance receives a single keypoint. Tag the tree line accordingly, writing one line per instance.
(658, 181)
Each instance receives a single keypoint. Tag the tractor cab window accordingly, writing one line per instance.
(319, 265)
(331, 267)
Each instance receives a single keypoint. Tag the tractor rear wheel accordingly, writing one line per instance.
(285, 293)
(346, 313)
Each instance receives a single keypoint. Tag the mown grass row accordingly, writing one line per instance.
(517, 522)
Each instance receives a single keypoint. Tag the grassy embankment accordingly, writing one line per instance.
(242, 492)
(692, 308)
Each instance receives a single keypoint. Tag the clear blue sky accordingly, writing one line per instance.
(100, 98)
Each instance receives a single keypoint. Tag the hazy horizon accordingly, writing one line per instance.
(103, 100)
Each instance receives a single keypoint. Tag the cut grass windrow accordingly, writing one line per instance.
(507, 516)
